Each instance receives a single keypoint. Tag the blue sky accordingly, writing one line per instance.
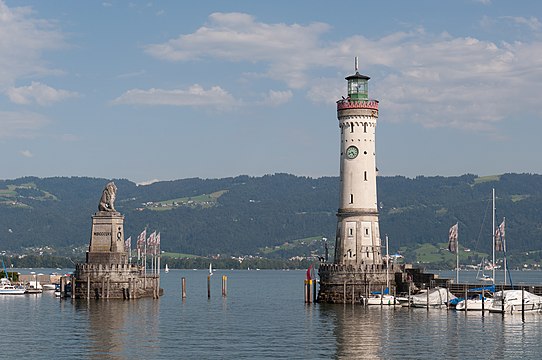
(164, 90)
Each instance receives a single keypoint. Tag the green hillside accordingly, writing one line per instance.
(276, 216)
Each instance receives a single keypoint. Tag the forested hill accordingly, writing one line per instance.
(243, 215)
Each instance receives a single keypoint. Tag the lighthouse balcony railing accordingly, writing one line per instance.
(357, 104)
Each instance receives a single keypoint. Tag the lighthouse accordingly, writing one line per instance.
(357, 268)
(358, 235)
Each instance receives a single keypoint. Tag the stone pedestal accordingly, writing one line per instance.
(107, 273)
(107, 239)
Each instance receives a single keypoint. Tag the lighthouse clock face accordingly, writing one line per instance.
(352, 152)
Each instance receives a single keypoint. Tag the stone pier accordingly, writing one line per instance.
(107, 273)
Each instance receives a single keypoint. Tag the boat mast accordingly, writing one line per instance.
(457, 260)
(493, 232)
(387, 261)
(504, 249)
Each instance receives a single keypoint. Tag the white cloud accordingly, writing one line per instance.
(436, 80)
(238, 37)
(532, 23)
(23, 39)
(39, 93)
(20, 124)
(26, 153)
(276, 98)
(195, 95)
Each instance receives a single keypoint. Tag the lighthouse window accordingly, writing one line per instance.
(351, 232)
(364, 127)
(365, 175)
(366, 231)
(351, 198)
(351, 127)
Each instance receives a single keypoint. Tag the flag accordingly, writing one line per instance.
(151, 242)
(499, 237)
(128, 245)
(141, 239)
(157, 241)
(452, 239)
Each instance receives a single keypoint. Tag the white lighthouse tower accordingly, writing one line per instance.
(358, 236)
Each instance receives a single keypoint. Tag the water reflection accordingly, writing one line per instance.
(402, 333)
(120, 329)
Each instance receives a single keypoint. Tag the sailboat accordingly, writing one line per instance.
(166, 269)
(482, 276)
(210, 269)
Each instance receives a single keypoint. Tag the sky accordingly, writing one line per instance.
(163, 90)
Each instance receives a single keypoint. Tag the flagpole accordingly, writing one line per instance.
(493, 232)
(457, 256)
(503, 237)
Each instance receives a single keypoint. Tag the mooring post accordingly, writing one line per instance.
(427, 298)
(502, 300)
(208, 286)
(183, 288)
(73, 286)
(522, 303)
(224, 285)
(483, 300)
(88, 287)
(344, 292)
(353, 293)
(314, 291)
(466, 294)
(381, 296)
(409, 292)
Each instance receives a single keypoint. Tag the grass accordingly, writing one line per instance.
(205, 200)
(179, 255)
(483, 179)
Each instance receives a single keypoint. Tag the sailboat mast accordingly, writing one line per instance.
(387, 262)
(493, 232)
(504, 249)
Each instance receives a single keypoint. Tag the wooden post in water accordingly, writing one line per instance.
(314, 291)
(208, 286)
(381, 296)
(344, 292)
(224, 285)
(183, 288)
(88, 287)
(409, 291)
(502, 300)
(483, 300)
(73, 286)
(522, 304)
(466, 294)
(427, 298)
(353, 293)
(394, 296)
(62, 287)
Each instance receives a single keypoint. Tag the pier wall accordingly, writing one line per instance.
(114, 281)
(348, 283)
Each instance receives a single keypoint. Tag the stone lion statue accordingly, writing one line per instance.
(107, 202)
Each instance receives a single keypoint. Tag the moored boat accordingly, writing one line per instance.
(510, 301)
(434, 298)
(6, 288)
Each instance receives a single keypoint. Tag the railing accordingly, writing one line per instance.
(357, 104)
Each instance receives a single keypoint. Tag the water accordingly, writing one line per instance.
(263, 317)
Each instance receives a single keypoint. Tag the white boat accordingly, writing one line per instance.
(437, 297)
(34, 287)
(48, 287)
(379, 299)
(210, 269)
(513, 304)
(7, 289)
(166, 269)
(474, 304)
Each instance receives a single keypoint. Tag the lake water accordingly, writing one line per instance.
(263, 317)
